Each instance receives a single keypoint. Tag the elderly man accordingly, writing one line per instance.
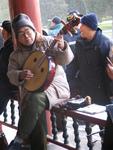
(35, 101)
(91, 50)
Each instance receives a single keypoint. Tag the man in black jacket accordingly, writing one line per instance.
(6, 88)
(91, 50)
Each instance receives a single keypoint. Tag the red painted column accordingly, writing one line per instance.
(29, 7)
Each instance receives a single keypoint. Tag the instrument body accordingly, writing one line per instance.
(43, 68)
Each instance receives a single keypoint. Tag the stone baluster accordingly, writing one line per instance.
(12, 105)
(88, 130)
(54, 126)
(5, 115)
(65, 134)
(76, 133)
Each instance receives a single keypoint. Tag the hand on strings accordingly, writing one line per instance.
(26, 74)
(58, 42)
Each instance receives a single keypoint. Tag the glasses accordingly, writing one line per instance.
(27, 32)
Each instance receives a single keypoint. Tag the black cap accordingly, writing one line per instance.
(90, 20)
(22, 20)
(7, 26)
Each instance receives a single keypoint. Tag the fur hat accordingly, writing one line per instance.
(90, 20)
(22, 20)
(56, 20)
(6, 24)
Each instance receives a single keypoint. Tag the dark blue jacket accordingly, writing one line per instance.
(90, 61)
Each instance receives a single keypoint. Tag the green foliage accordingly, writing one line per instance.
(103, 8)
(50, 8)
(4, 10)
(76, 5)
(105, 26)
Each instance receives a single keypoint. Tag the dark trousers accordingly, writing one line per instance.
(108, 135)
(38, 137)
(31, 123)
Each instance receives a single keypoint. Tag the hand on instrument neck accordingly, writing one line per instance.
(60, 41)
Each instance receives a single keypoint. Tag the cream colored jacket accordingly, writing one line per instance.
(58, 90)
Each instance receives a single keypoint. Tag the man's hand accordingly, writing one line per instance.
(25, 75)
(109, 70)
(60, 41)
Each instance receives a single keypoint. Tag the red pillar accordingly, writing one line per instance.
(29, 7)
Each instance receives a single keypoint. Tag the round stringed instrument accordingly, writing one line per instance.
(43, 66)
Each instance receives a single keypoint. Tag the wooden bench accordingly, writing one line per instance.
(63, 141)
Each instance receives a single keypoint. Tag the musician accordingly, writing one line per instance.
(33, 103)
